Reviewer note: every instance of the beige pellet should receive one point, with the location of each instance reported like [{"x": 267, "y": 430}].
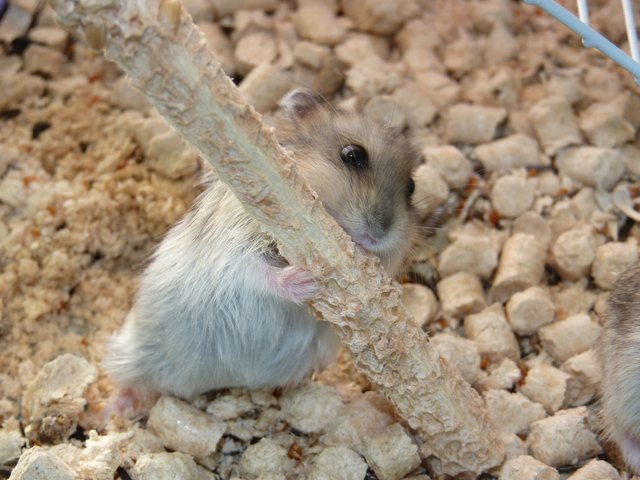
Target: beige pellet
[
  {"x": 38, "y": 463},
  {"x": 40, "y": 59},
  {"x": 549, "y": 184},
  {"x": 492, "y": 334},
  {"x": 184, "y": 428},
  {"x": 604, "y": 126},
  {"x": 310, "y": 54},
  {"x": 462, "y": 55},
  {"x": 592, "y": 166},
  {"x": 512, "y": 412},
  {"x": 265, "y": 86},
  {"x": 11, "y": 444},
  {"x": 472, "y": 124},
  {"x": 502, "y": 377},
  {"x": 514, "y": 446},
  {"x": 515, "y": 151},
  {"x": 505, "y": 90},
  {"x": 337, "y": 462},
  {"x": 631, "y": 156},
  {"x": 170, "y": 155},
  {"x": 460, "y": 294},
  {"x": 55, "y": 397},
  {"x": 417, "y": 107},
  {"x": 475, "y": 254},
  {"x": 529, "y": 310},
  {"x": 596, "y": 470},
  {"x": 450, "y": 163},
  {"x": 126, "y": 97},
  {"x": 564, "y": 439},
  {"x": 200, "y": 10},
  {"x": 440, "y": 89},
  {"x": 357, "y": 46},
  {"x": 555, "y": 124},
  {"x": 574, "y": 251},
  {"x": 527, "y": 467},
  {"x": 572, "y": 298},
  {"x": 360, "y": 419},
  {"x": 328, "y": 79},
  {"x": 228, "y": 7},
  {"x": 532, "y": 223},
  {"x": 391, "y": 453},
  {"x": 501, "y": 45},
  {"x": 310, "y": 407},
  {"x": 53, "y": 37},
  {"x": 254, "y": 48},
  {"x": 566, "y": 338},
  {"x": 546, "y": 385},
  {"x": 382, "y": 17},
  {"x": 219, "y": 44},
  {"x": 319, "y": 24},
  {"x": 586, "y": 374},
  {"x": 420, "y": 301},
  {"x": 265, "y": 457},
  {"x": 373, "y": 76},
  {"x": 165, "y": 466},
  {"x": 460, "y": 352},
  {"x": 512, "y": 195},
  {"x": 568, "y": 84},
  {"x": 521, "y": 266},
  {"x": 431, "y": 190},
  {"x": 611, "y": 260}
]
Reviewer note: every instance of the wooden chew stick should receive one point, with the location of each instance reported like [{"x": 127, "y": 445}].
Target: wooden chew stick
[{"x": 166, "y": 57}]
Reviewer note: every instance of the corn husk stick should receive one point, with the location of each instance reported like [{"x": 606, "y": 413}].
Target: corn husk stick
[{"x": 165, "y": 56}]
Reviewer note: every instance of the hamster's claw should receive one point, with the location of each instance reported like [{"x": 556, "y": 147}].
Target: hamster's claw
[{"x": 296, "y": 284}]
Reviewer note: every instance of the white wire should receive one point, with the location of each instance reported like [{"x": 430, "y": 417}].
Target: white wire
[
  {"x": 583, "y": 11},
  {"x": 630, "y": 23}
]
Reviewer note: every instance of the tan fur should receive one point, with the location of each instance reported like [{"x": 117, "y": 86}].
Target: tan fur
[
  {"x": 620, "y": 353},
  {"x": 210, "y": 314}
]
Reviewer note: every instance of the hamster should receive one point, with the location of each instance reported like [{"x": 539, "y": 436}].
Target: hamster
[
  {"x": 218, "y": 306},
  {"x": 620, "y": 353}
]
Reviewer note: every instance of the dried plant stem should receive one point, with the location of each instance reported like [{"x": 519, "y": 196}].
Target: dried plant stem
[{"x": 163, "y": 53}]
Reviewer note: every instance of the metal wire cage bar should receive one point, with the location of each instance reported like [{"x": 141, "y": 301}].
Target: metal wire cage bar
[{"x": 591, "y": 38}]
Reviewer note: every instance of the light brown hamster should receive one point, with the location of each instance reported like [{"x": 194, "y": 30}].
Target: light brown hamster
[
  {"x": 218, "y": 307},
  {"x": 620, "y": 353}
]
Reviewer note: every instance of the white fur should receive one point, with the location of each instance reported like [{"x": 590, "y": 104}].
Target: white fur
[{"x": 205, "y": 317}]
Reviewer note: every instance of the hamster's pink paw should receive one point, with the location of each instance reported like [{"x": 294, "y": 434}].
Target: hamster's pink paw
[
  {"x": 126, "y": 402},
  {"x": 295, "y": 284}
]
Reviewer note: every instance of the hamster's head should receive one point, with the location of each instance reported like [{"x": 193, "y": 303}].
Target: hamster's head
[{"x": 360, "y": 170}]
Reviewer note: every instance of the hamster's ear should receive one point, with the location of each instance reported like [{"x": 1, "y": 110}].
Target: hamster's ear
[{"x": 301, "y": 102}]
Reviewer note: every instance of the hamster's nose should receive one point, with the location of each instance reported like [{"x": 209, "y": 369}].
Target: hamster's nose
[{"x": 379, "y": 224}]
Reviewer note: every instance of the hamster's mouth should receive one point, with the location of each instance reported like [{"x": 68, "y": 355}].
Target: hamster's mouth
[
  {"x": 366, "y": 241},
  {"x": 361, "y": 235}
]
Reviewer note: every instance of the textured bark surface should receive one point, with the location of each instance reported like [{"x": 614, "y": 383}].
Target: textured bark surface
[{"x": 164, "y": 54}]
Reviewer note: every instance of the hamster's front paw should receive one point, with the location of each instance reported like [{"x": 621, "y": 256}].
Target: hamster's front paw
[{"x": 295, "y": 284}]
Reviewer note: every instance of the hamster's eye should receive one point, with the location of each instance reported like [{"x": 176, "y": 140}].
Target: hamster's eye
[
  {"x": 411, "y": 187},
  {"x": 355, "y": 156}
]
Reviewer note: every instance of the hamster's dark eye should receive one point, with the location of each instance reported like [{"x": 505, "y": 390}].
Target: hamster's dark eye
[
  {"x": 355, "y": 156},
  {"x": 411, "y": 187}
]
